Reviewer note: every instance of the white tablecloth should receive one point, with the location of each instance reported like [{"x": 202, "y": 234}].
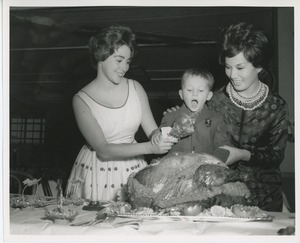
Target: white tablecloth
[{"x": 30, "y": 223}]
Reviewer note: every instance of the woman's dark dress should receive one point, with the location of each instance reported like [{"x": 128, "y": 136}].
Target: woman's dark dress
[{"x": 263, "y": 132}]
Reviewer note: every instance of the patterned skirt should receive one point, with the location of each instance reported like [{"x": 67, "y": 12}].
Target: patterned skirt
[{"x": 97, "y": 180}]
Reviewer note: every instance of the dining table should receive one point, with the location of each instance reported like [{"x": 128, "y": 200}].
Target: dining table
[{"x": 30, "y": 223}]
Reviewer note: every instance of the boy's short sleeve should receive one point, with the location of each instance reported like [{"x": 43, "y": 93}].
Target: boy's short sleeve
[{"x": 168, "y": 119}]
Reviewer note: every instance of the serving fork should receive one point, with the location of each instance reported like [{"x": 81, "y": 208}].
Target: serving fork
[
  {"x": 107, "y": 220},
  {"x": 135, "y": 224},
  {"x": 104, "y": 218}
]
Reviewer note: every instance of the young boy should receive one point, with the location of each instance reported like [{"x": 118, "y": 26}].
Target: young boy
[{"x": 209, "y": 132}]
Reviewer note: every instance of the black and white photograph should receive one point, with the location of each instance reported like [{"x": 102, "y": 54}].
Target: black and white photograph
[{"x": 149, "y": 121}]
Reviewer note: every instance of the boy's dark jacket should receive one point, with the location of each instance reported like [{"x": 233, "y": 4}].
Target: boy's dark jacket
[{"x": 208, "y": 136}]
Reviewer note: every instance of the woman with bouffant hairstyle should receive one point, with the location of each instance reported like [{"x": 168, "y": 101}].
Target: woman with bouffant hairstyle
[
  {"x": 109, "y": 111},
  {"x": 256, "y": 118}
]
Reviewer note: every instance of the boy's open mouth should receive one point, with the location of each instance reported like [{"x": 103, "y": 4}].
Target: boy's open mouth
[{"x": 194, "y": 103}]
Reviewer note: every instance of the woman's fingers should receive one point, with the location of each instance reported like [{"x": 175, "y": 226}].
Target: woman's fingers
[
  {"x": 226, "y": 147},
  {"x": 169, "y": 110},
  {"x": 170, "y": 140},
  {"x": 164, "y": 146}
]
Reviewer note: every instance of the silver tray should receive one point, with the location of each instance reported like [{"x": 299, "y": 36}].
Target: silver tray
[{"x": 208, "y": 218}]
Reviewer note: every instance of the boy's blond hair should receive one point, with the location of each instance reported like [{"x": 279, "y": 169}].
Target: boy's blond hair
[{"x": 201, "y": 72}]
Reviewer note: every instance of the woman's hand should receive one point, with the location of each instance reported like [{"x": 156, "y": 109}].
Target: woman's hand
[
  {"x": 236, "y": 154},
  {"x": 163, "y": 146},
  {"x": 156, "y": 137},
  {"x": 169, "y": 110}
]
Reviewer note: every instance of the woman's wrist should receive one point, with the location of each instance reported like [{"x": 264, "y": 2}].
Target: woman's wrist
[
  {"x": 148, "y": 147},
  {"x": 153, "y": 132}
]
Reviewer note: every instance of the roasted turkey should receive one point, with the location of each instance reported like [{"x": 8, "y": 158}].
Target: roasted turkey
[{"x": 187, "y": 178}]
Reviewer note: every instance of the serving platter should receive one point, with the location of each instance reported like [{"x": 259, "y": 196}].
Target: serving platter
[
  {"x": 199, "y": 218},
  {"x": 33, "y": 201}
]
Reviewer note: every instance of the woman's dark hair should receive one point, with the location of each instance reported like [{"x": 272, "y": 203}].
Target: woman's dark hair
[
  {"x": 244, "y": 37},
  {"x": 104, "y": 44}
]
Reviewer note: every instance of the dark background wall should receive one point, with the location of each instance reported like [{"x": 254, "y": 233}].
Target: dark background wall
[{"x": 49, "y": 63}]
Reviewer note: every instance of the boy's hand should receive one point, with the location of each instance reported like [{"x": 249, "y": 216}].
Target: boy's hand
[{"x": 161, "y": 135}]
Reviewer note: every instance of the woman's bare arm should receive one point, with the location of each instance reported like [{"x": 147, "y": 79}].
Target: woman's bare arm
[
  {"x": 94, "y": 135},
  {"x": 148, "y": 122}
]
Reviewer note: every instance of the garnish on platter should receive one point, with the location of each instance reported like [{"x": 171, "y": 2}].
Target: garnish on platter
[
  {"x": 60, "y": 215},
  {"x": 73, "y": 201},
  {"x": 29, "y": 201},
  {"x": 247, "y": 211},
  {"x": 28, "y": 183},
  {"x": 192, "y": 210},
  {"x": 236, "y": 211},
  {"x": 115, "y": 208},
  {"x": 195, "y": 213},
  {"x": 34, "y": 201}
]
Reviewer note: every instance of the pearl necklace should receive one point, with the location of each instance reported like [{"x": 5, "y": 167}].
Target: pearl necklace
[{"x": 250, "y": 103}]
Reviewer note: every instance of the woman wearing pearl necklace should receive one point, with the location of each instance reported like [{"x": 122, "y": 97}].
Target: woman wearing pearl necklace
[{"x": 256, "y": 118}]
